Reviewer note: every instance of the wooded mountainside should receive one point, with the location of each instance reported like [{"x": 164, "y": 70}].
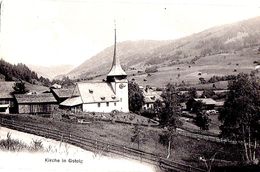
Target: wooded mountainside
[{"x": 14, "y": 72}]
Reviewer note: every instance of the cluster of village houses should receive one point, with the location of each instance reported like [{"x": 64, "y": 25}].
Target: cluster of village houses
[
  {"x": 94, "y": 96},
  {"x": 88, "y": 96}
]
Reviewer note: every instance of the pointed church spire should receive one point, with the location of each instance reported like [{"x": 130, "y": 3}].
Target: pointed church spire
[
  {"x": 116, "y": 69},
  {"x": 115, "y": 60}
]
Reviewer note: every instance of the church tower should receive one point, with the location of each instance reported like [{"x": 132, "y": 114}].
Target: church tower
[{"x": 118, "y": 79}]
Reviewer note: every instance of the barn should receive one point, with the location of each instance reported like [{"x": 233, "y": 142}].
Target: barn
[
  {"x": 7, "y": 104},
  {"x": 36, "y": 103}
]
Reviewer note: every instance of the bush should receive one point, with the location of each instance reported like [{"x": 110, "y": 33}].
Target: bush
[
  {"x": 202, "y": 120},
  {"x": 11, "y": 144},
  {"x": 36, "y": 146},
  {"x": 208, "y": 94},
  {"x": 149, "y": 113},
  {"x": 214, "y": 78},
  {"x": 152, "y": 69}
]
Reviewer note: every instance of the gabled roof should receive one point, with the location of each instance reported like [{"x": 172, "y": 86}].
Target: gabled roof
[
  {"x": 150, "y": 96},
  {"x": 63, "y": 92},
  {"x": 6, "y": 89},
  {"x": 35, "y": 98},
  {"x": 96, "y": 92}
]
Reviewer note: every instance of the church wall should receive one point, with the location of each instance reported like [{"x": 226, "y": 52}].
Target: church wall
[{"x": 102, "y": 107}]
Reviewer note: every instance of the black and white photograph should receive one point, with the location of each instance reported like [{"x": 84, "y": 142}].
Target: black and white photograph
[{"x": 130, "y": 85}]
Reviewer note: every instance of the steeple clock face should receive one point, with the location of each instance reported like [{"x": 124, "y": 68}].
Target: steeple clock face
[{"x": 121, "y": 86}]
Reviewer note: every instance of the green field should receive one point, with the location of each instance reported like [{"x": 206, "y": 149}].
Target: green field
[
  {"x": 185, "y": 150},
  {"x": 208, "y": 66}
]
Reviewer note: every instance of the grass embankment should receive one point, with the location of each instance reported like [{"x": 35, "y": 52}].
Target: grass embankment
[
  {"x": 189, "y": 123},
  {"x": 185, "y": 150},
  {"x": 16, "y": 145}
]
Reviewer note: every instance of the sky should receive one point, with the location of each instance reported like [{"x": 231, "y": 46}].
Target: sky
[{"x": 56, "y": 32}]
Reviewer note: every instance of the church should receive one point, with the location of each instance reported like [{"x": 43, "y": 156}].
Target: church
[{"x": 101, "y": 96}]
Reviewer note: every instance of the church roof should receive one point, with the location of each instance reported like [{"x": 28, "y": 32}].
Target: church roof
[
  {"x": 96, "y": 92},
  {"x": 91, "y": 92},
  {"x": 116, "y": 70}
]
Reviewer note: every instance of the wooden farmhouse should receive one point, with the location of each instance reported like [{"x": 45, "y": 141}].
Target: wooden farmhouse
[
  {"x": 7, "y": 102},
  {"x": 36, "y": 103},
  {"x": 101, "y": 96}
]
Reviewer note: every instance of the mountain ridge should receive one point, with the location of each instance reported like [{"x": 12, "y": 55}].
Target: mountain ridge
[
  {"x": 215, "y": 42},
  {"x": 51, "y": 72}
]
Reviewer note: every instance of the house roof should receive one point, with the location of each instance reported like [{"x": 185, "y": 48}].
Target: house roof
[
  {"x": 96, "y": 92},
  {"x": 73, "y": 101},
  {"x": 63, "y": 92},
  {"x": 207, "y": 101},
  {"x": 35, "y": 98},
  {"x": 219, "y": 103},
  {"x": 56, "y": 86},
  {"x": 6, "y": 89},
  {"x": 150, "y": 96}
]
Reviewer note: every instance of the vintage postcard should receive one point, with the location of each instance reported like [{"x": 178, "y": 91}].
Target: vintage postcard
[{"x": 129, "y": 86}]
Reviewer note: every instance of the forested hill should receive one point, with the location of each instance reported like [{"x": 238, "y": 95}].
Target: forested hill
[
  {"x": 221, "y": 50},
  {"x": 19, "y": 71}
]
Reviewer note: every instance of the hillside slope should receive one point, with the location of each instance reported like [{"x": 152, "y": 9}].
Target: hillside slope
[
  {"x": 216, "y": 51},
  {"x": 52, "y": 71}
]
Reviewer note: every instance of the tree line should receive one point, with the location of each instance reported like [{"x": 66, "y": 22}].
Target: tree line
[
  {"x": 13, "y": 72},
  {"x": 19, "y": 71},
  {"x": 239, "y": 117}
]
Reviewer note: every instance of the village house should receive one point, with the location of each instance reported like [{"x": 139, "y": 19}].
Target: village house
[
  {"x": 150, "y": 96},
  {"x": 7, "y": 102},
  {"x": 207, "y": 103},
  {"x": 36, "y": 103},
  {"x": 101, "y": 96}
]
